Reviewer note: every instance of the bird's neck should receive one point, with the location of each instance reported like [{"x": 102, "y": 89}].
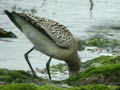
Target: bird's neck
[{"x": 73, "y": 64}]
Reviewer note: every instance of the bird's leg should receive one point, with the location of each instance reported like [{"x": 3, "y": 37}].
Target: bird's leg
[
  {"x": 26, "y": 57},
  {"x": 48, "y": 67}
]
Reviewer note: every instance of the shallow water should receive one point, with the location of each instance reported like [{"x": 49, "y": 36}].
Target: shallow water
[{"x": 74, "y": 14}]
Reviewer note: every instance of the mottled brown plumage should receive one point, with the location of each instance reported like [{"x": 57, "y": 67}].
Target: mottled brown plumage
[{"x": 58, "y": 32}]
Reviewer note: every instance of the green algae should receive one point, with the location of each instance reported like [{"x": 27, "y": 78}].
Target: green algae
[
  {"x": 18, "y": 87},
  {"x": 101, "y": 70},
  {"x": 15, "y": 76},
  {"x": 102, "y": 43},
  {"x": 99, "y": 61},
  {"x": 106, "y": 74},
  {"x": 36, "y": 87}
]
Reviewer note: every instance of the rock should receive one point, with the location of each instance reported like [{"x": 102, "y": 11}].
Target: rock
[
  {"x": 16, "y": 76},
  {"x": 107, "y": 72},
  {"x": 103, "y": 76},
  {"x": 18, "y": 87},
  {"x": 47, "y": 87},
  {"x": 100, "y": 61},
  {"x": 100, "y": 70},
  {"x": 5, "y": 34}
]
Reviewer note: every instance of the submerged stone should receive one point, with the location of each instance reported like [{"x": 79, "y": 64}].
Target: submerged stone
[{"x": 5, "y": 34}]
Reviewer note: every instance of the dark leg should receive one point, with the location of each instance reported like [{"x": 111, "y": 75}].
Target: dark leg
[
  {"x": 26, "y": 57},
  {"x": 48, "y": 67}
]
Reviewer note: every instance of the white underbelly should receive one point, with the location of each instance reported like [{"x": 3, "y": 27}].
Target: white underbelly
[
  {"x": 47, "y": 46},
  {"x": 41, "y": 42}
]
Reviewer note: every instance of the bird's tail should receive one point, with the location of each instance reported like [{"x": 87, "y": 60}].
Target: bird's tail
[{"x": 12, "y": 18}]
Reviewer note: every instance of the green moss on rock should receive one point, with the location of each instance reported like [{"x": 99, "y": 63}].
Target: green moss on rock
[
  {"x": 35, "y": 87},
  {"x": 106, "y": 74},
  {"x": 15, "y": 76},
  {"x": 99, "y": 61},
  {"x": 101, "y": 70},
  {"x": 19, "y": 87},
  {"x": 100, "y": 41}
]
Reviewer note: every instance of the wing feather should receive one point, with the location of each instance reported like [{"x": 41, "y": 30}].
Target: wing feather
[{"x": 54, "y": 30}]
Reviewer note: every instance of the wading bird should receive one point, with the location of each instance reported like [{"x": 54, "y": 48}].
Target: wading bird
[{"x": 50, "y": 38}]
